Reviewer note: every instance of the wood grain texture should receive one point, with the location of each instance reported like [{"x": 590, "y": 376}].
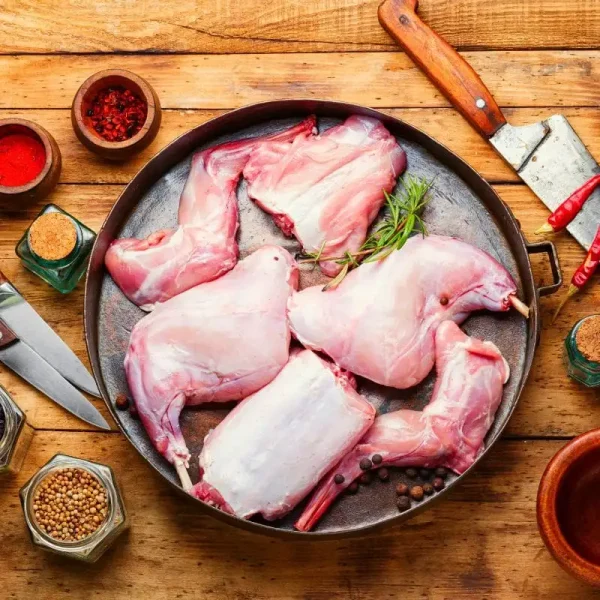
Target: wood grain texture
[
  {"x": 228, "y": 26},
  {"x": 552, "y": 405},
  {"x": 528, "y": 78},
  {"x": 480, "y": 543}
]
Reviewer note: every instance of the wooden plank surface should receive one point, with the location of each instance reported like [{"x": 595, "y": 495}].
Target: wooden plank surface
[
  {"x": 378, "y": 79},
  {"x": 228, "y": 26},
  {"x": 480, "y": 543}
]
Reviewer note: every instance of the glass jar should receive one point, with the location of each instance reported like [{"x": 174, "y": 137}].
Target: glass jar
[
  {"x": 62, "y": 274},
  {"x": 578, "y": 366},
  {"x": 17, "y": 435},
  {"x": 91, "y": 548}
]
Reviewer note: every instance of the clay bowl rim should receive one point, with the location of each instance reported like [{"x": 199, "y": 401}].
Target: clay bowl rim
[
  {"x": 547, "y": 518},
  {"x": 149, "y": 97},
  {"x": 45, "y": 138}
]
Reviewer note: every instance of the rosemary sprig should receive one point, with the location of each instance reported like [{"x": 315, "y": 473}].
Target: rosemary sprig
[{"x": 403, "y": 218}]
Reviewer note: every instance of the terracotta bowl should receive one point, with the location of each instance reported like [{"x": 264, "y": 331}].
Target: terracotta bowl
[
  {"x": 90, "y": 139},
  {"x": 568, "y": 507},
  {"x": 44, "y": 183}
]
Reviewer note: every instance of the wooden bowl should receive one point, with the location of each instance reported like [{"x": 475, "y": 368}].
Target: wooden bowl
[
  {"x": 44, "y": 183},
  {"x": 90, "y": 139},
  {"x": 567, "y": 507}
]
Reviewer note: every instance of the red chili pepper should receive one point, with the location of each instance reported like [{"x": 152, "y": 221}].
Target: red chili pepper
[
  {"x": 584, "y": 272},
  {"x": 569, "y": 209}
]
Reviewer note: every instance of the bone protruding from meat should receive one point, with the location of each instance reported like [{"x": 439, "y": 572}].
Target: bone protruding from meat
[
  {"x": 219, "y": 341},
  {"x": 203, "y": 246},
  {"x": 449, "y": 432},
  {"x": 327, "y": 190},
  {"x": 380, "y": 322},
  {"x": 272, "y": 449}
]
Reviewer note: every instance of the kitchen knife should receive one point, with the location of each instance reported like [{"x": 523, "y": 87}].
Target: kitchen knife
[
  {"x": 21, "y": 317},
  {"x": 27, "y": 363},
  {"x": 548, "y": 155}
]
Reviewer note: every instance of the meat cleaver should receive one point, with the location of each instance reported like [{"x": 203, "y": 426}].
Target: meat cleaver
[{"x": 548, "y": 156}]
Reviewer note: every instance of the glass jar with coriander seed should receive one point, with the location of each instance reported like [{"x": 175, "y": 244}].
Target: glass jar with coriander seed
[
  {"x": 15, "y": 435},
  {"x": 74, "y": 507},
  {"x": 582, "y": 351}
]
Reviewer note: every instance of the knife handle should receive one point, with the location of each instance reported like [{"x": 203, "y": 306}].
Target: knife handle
[
  {"x": 451, "y": 73},
  {"x": 7, "y": 335}
]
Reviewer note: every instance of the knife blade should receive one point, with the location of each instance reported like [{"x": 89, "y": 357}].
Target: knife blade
[
  {"x": 29, "y": 327},
  {"x": 27, "y": 363},
  {"x": 548, "y": 155}
]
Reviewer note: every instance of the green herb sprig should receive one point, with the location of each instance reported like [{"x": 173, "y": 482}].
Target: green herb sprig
[{"x": 402, "y": 219}]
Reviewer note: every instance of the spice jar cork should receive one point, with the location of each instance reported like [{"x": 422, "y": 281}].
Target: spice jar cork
[
  {"x": 582, "y": 351},
  {"x": 74, "y": 507},
  {"x": 57, "y": 248}
]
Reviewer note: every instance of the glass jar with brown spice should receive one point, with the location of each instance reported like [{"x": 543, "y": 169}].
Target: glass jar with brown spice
[
  {"x": 15, "y": 434},
  {"x": 582, "y": 351}
]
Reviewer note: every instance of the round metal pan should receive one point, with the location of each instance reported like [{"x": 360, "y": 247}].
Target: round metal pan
[{"x": 462, "y": 205}]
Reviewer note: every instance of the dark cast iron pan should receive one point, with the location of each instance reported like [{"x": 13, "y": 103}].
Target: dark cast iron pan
[{"x": 462, "y": 205}]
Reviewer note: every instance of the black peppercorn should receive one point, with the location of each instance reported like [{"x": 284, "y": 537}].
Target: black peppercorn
[
  {"x": 339, "y": 479},
  {"x": 403, "y": 503},
  {"x": 424, "y": 474},
  {"x": 402, "y": 489},
  {"x": 427, "y": 489},
  {"x": 438, "y": 484},
  {"x": 441, "y": 472},
  {"x": 411, "y": 473},
  {"x": 365, "y": 478},
  {"x": 365, "y": 464},
  {"x": 353, "y": 488},
  {"x": 122, "y": 402},
  {"x": 383, "y": 474},
  {"x": 444, "y": 300},
  {"x": 416, "y": 493},
  {"x": 377, "y": 459},
  {"x": 133, "y": 413},
  {"x": 90, "y": 112}
]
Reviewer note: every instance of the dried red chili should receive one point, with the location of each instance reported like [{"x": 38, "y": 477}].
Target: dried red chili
[
  {"x": 116, "y": 114},
  {"x": 22, "y": 159},
  {"x": 570, "y": 208},
  {"x": 584, "y": 272}
]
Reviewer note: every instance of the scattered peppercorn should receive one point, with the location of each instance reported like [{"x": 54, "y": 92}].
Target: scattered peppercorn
[
  {"x": 117, "y": 114},
  {"x": 133, "y": 413},
  {"x": 70, "y": 504},
  {"x": 365, "y": 464},
  {"x": 353, "y": 487},
  {"x": 416, "y": 492},
  {"x": 365, "y": 478},
  {"x": 402, "y": 489},
  {"x": 424, "y": 474},
  {"x": 122, "y": 402},
  {"x": 411, "y": 473},
  {"x": 339, "y": 479},
  {"x": 444, "y": 300},
  {"x": 383, "y": 474},
  {"x": 377, "y": 459},
  {"x": 438, "y": 484},
  {"x": 403, "y": 503},
  {"x": 441, "y": 472},
  {"x": 427, "y": 489}
]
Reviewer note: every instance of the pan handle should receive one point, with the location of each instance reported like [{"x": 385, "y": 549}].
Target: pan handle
[
  {"x": 549, "y": 249},
  {"x": 446, "y": 68}
]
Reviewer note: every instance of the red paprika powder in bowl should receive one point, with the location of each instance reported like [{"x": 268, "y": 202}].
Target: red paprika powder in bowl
[
  {"x": 30, "y": 160},
  {"x": 116, "y": 114}
]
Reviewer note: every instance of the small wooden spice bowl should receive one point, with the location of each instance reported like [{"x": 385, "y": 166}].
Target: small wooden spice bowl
[
  {"x": 117, "y": 151},
  {"x": 567, "y": 514},
  {"x": 44, "y": 183}
]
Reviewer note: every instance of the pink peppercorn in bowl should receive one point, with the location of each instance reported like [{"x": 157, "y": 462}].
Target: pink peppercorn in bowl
[{"x": 116, "y": 114}]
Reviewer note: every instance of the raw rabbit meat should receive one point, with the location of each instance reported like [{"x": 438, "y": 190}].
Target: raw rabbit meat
[
  {"x": 274, "y": 447},
  {"x": 203, "y": 247},
  {"x": 380, "y": 321},
  {"x": 449, "y": 432},
  {"x": 327, "y": 190},
  {"x": 219, "y": 341}
]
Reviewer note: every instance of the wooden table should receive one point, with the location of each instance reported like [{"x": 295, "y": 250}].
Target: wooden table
[{"x": 204, "y": 57}]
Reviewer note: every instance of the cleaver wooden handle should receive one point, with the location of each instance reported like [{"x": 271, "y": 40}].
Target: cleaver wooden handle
[{"x": 453, "y": 76}]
